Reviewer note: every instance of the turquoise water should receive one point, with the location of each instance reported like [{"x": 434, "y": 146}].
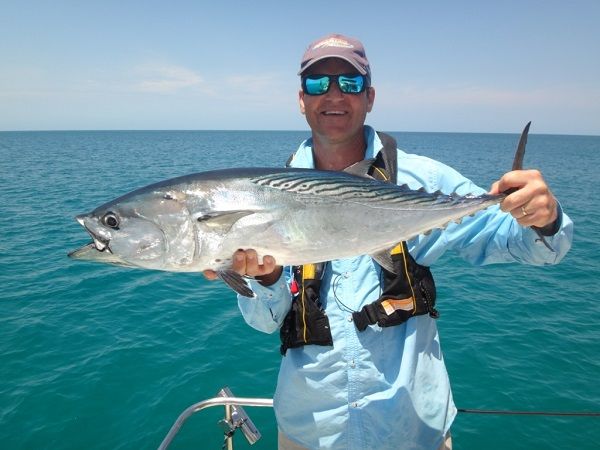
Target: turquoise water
[{"x": 100, "y": 357}]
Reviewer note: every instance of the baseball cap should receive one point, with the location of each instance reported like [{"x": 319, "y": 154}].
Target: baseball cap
[{"x": 336, "y": 46}]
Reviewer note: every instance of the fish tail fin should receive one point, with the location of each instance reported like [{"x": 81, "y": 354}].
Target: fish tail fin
[{"x": 518, "y": 165}]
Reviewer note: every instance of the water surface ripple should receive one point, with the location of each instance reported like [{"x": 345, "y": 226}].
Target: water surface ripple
[{"x": 101, "y": 357}]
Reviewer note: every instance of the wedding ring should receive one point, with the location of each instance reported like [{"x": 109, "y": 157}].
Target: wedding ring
[{"x": 524, "y": 211}]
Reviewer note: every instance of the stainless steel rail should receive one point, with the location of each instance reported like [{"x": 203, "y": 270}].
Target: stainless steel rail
[{"x": 216, "y": 401}]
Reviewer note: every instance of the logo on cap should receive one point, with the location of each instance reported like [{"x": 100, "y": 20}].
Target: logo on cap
[{"x": 333, "y": 42}]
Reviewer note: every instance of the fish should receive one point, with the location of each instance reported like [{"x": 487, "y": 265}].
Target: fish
[{"x": 196, "y": 222}]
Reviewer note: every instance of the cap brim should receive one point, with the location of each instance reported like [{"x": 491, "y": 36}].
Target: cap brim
[{"x": 360, "y": 69}]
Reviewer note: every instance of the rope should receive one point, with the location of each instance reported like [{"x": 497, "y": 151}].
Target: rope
[{"x": 529, "y": 413}]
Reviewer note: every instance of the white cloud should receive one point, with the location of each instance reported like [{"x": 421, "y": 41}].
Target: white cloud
[
  {"x": 554, "y": 108},
  {"x": 249, "y": 89},
  {"x": 252, "y": 84},
  {"x": 473, "y": 96},
  {"x": 165, "y": 79}
]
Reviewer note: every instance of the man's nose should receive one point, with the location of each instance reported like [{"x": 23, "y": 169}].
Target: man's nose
[{"x": 334, "y": 91}]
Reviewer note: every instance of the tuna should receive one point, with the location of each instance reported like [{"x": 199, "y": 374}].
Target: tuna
[{"x": 196, "y": 222}]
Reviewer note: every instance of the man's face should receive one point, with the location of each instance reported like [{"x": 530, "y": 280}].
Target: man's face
[{"x": 335, "y": 117}]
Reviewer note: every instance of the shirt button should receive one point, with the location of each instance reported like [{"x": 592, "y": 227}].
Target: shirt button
[
  {"x": 346, "y": 275},
  {"x": 349, "y": 318},
  {"x": 354, "y": 404},
  {"x": 352, "y": 364}
]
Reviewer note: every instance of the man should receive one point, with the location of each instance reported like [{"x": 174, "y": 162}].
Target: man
[{"x": 380, "y": 387}]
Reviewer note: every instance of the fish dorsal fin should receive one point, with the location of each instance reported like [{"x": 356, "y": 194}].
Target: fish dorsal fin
[
  {"x": 236, "y": 282},
  {"x": 222, "y": 220},
  {"x": 361, "y": 168}
]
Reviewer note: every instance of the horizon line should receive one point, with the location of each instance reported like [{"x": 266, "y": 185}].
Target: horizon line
[{"x": 270, "y": 131}]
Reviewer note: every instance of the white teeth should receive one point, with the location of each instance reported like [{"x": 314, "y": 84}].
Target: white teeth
[
  {"x": 334, "y": 113},
  {"x": 100, "y": 245}
]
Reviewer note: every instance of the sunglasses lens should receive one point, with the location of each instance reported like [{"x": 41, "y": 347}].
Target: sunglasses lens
[
  {"x": 352, "y": 84},
  {"x": 319, "y": 84},
  {"x": 316, "y": 85}
]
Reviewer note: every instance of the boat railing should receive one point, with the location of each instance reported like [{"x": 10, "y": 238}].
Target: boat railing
[{"x": 235, "y": 417}]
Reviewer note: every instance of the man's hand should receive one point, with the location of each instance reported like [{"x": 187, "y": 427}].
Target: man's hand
[
  {"x": 245, "y": 262},
  {"x": 532, "y": 204}
]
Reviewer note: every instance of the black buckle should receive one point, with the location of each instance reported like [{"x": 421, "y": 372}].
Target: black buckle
[{"x": 364, "y": 317}]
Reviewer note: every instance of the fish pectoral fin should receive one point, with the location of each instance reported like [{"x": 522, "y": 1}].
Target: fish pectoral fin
[
  {"x": 236, "y": 282},
  {"x": 384, "y": 259},
  {"x": 222, "y": 220},
  {"x": 361, "y": 168}
]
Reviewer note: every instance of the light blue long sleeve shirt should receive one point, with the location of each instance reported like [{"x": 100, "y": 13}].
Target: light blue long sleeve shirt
[{"x": 384, "y": 388}]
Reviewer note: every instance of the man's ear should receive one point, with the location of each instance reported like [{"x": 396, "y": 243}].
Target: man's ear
[
  {"x": 370, "y": 98},
  {"x": 301, "y": 101}
]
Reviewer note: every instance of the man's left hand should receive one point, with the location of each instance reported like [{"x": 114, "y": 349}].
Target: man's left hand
[{"x": 532, "y": 204}]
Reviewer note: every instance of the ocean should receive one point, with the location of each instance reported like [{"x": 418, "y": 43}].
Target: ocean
[{"x": 100, "y": 357}]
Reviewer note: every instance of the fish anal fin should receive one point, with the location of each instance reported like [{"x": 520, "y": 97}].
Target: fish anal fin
[{"x": 236, "y": 282}]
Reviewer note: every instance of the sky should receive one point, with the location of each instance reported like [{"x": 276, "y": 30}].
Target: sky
[{"x": 447, "y": 66}]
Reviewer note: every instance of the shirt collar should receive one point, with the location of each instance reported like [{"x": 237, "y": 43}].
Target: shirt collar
[{"x": 303, "y": 158}]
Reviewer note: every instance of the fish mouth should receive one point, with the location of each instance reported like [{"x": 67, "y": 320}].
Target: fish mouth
[
  {"x": 87, "y": 252},
  {"x": 90, "y": 253},
  {"x": 100, "y": 244}
]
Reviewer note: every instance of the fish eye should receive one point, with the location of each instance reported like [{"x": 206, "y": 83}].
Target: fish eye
[{"x": 111, "y": 220}]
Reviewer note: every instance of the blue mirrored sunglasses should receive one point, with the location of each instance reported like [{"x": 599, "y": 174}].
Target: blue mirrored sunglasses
[{"x": 348, "y": 83}]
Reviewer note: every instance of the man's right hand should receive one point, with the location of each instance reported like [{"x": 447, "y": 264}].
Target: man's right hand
[{"x": 245, "y": 262}]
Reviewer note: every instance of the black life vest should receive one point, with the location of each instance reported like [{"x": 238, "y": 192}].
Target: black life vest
[{"x": 406, "y": 292}]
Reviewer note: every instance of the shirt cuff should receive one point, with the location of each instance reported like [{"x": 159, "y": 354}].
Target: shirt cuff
[
  {"x": 552, "y": 228},
  {"x": 269, "y": 306},
  {"x": 276, "y": 289}
]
